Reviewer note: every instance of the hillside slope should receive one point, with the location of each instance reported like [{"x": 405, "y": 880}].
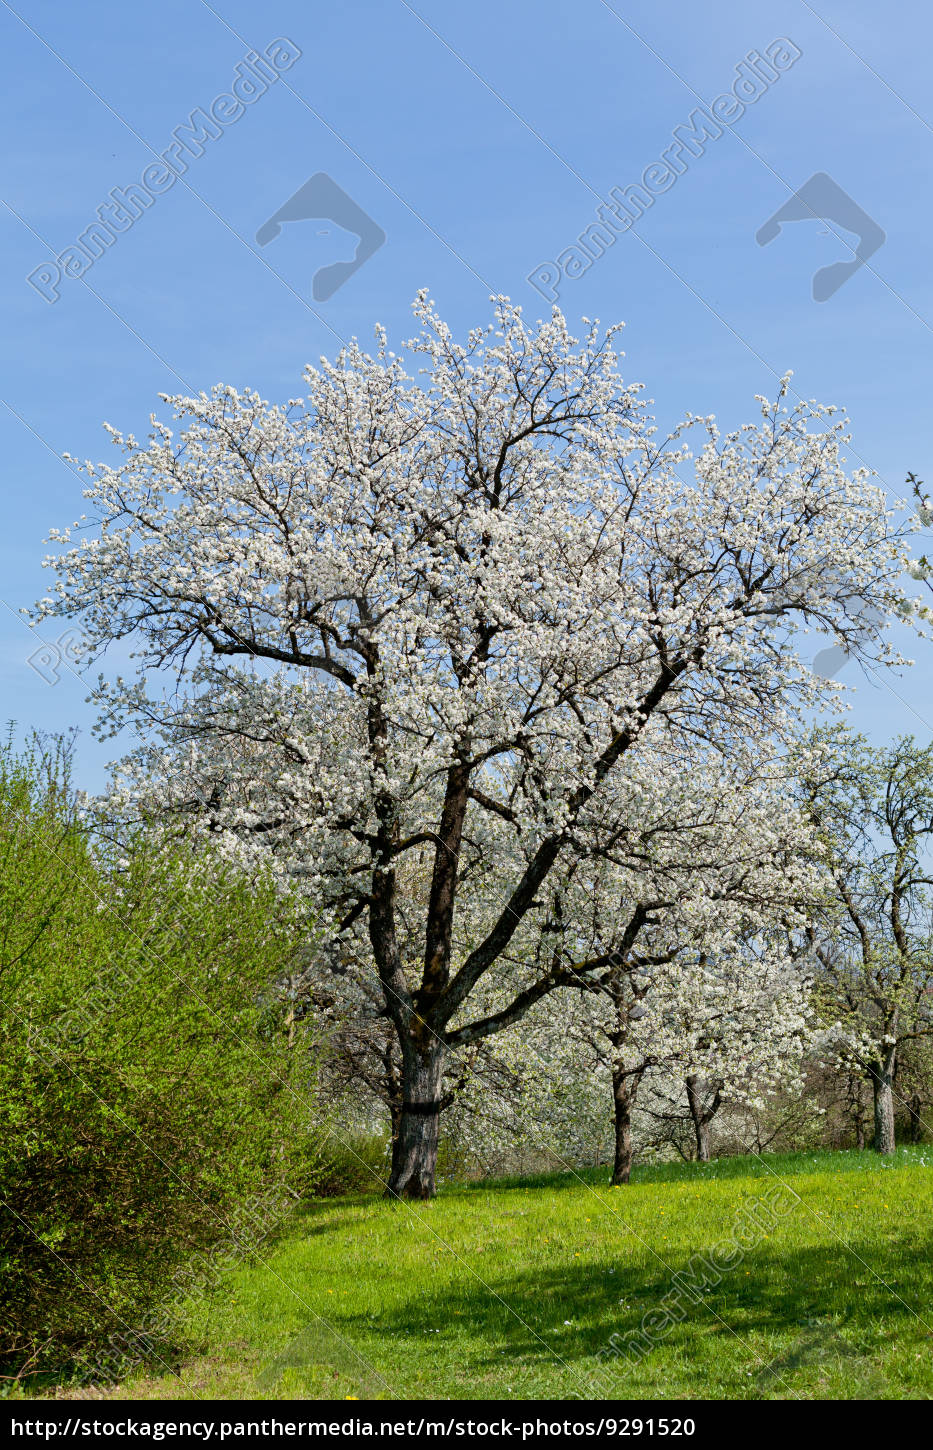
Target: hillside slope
[{"x": 803, "y": 1276}]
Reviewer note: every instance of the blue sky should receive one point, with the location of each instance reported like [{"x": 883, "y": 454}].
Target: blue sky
[{"x": 480, "y": 140}]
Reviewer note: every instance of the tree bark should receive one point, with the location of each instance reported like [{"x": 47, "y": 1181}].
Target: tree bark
[
  {"x": 882, "y": 1078},
  {"x": 623, "y": 1098},
  {"x": 857, "y": 1106},
  {"x": 701, "y": 1118},
  {"x": 414, "y": 1150}
]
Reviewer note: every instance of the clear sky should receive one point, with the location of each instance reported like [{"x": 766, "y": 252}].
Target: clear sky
[{"x": 462, "y": 148}]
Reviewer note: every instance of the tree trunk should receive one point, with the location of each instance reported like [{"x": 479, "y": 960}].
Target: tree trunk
[
  {"x": 701, "y": 1121},
  {"x": 854, "y": 1095},
  {"x": 623, "y": 1098},
  {"x": 414, "y": 1151},
  {"x": 882, "y": 1077}
]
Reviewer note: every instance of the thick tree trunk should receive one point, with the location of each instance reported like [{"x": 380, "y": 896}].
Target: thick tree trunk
[
  {"x": 623, "y": 1098},
  {"x": 701, "y": 1120},
  {"x": 414, "y": 1151},
  {"x": 882, "y": 1078}
]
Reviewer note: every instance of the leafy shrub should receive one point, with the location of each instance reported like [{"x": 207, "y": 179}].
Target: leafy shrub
[{"x": 151, "y": 1114}]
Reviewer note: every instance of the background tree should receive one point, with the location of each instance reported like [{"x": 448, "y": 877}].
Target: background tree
[
  {"x": 874, "y": 811},
  {"x": 678, "y": 906},
  {"x": 913, "y": 1086},
  {"x": 726, "y": 1028}
]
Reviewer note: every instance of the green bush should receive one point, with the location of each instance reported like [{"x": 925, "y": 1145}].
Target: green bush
[
  {"x": 155, "y": 1123},
  {"x": 355, "y": 1164}
]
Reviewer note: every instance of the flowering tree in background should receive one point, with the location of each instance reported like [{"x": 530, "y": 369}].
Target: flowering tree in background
[
  {"x": 747, "y": 1034},
  {"x": 731, "y": 1029},
  {"x": 420, "y": 626},
  {"x": 874, "y": 811},
  {"x": 689, "y": 917}
]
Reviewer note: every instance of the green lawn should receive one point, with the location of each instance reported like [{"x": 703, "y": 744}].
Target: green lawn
[{"x": 511, "y": 1289}]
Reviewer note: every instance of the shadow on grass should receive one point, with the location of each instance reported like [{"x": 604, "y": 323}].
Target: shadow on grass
[{"x": 778, "y": 1312}]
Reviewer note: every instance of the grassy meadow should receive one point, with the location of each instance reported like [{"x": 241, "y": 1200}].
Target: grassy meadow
[{"x": 512, "y": 1289}]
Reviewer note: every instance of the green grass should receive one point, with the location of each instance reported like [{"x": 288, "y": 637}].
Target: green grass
[{"x": 512, "y": 1288}]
